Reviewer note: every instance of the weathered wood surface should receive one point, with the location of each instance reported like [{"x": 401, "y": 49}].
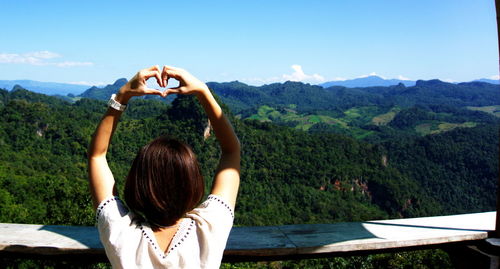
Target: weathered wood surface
[
  {"x": 342, "y": 238},
  {"x": 266, "y": 242}
]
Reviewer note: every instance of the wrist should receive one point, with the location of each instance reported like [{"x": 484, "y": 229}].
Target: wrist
[
  {"x": 116, "y": 105},
  {"x": 122, "y": 97},
  {"x": 204, "y": 91}
]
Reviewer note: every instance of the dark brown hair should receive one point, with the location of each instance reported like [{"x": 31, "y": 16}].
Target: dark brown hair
[{"x": 164, "y": 182}]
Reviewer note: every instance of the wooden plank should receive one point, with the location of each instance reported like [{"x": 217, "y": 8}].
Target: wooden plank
[
  {"x": 389, "y": 234},
  {"x": 258, "y": 241},
  {"x": 49, "y": 239},
  {"x": 272, "y": 242}
]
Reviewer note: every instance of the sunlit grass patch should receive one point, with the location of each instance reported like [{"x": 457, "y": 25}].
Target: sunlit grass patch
[
  {"x": 384, "y": 119},
  {"x": 494, "y": 110},
  {"x": 440, "y": 127}
]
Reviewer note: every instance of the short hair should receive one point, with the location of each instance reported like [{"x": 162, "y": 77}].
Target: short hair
[{"x": 164, "y": 182}]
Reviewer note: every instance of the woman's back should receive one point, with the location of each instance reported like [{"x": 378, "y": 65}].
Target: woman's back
[
  {"x": 199, "y": 240},
  {"x": 162, "y": 227}
]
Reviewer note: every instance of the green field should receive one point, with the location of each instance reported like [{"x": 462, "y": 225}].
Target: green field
[
  {"x": 384, "y": 119},
  {"x": 347, "y": 124},
  {"x": 494, "y": 110},
  {"x": 301, "y": 121},
  {"x": 436, "y": 127},
  {"x": 354, "y": 119},
  {"x": 263, "y": 114}
]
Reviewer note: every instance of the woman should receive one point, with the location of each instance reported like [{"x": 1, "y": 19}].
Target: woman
[{"x": 160, "y": 227}]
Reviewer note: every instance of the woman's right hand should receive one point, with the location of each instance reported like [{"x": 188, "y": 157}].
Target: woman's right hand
[
  {"x": 188, "y": 84},
  {"x": 137, "y": 85}
]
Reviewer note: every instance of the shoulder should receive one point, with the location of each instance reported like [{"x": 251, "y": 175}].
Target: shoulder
[
  {"x": 111, "y": 207},
  {"x": 214, "y": 208},
  {"x": 112, "y": 216},
  {"x": 213, "y": 217},
  {"x": 213, "y": 220}
]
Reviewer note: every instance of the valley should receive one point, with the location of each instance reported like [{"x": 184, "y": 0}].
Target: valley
[
  {"x": 357, "y": 121},
  {"x": 310, "y": 154}
]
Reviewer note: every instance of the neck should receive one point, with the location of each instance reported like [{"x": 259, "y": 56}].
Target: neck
[{"x": 162, "y": 228}]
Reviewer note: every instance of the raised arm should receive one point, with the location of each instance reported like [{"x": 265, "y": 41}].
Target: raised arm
[
  {"x": 102, "y": 182},
  {"x": 227, "y": 176}
]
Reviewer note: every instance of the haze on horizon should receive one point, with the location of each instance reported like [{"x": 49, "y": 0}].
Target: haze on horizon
[{"x": 258, "y": 42}]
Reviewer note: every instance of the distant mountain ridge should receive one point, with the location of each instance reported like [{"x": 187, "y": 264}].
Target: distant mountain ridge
[
  {"x": 47, "y": 88},
  {"x": 487, "y": 80},
  {"x": 374, "y": 81},
  {"x": 241, "y": 97},
  {"x": 306, "y": 97},
  {"x": 370, "y": 81},
  {"x": 64, "y": 89},
  {"x": 105, "y": 92}
]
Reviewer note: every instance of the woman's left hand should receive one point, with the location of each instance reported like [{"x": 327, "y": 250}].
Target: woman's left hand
[{"x": 137, "y": 85}]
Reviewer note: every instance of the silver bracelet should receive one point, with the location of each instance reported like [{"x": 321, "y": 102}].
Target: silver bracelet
[{"x": 115, "y": 105}]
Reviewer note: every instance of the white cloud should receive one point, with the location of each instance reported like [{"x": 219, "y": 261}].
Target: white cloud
[
  {"x": 371, "y": 74},
  {"x": 43, "y": 54},
  {"x": 18, "y": 59},
  {"x": 38, "y": 58},
  {"x": 400, "y": 77},
  {"x": 71, "y": 64},
  {"x": 299, "y": 75},
  {"x": 261, "y": 81},
  {"x": 497, "y": 77}
]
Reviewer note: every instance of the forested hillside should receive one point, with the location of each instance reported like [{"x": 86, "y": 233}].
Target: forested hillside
[
  {"x": 241, "y": 97},
  {"x": 307, "y": 158},
  {"x": 288, "y": 176},
  {"x": 103, "y": 93}
]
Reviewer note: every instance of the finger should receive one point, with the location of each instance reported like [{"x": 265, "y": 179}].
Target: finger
[
  {"x": 146, "y": 74},
  {"x": 159, "y": 79},
  {"x": 174, "y": 73},
  {"x": 173, "y": 91},
  {"x": 164, "y": 77},
  {"x": 168, "y": 67},
  {"x": 149, "y": 91},
  {"x": 164, "y": 93},
  {"x": 153, "y": 68}
]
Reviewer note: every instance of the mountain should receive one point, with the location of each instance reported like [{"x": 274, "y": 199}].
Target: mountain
[
  {"x": 63, "y": 89},
  {"x": 369, "y": 81},
  {"x": 288, "y": 176},
  {"x": 48, "y": 88},
  {"x": 103, "y": 93},
  {"x": 44, "y": 140},
  {"x": 241, "y": 97},
  {"x": 245, "y": 99},
  {"x": 491, "y": 81}
]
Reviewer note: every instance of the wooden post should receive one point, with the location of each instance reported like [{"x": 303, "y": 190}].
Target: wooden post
[{"x": 497, "y": 227}]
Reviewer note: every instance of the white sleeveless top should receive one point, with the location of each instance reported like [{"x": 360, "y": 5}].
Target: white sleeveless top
[{"x": 199, "y": 242}]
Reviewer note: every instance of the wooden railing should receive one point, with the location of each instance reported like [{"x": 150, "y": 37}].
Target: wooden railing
[{"x": 272, "y": 242}]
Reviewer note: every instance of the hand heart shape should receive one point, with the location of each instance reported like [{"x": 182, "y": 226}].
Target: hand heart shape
[{"x": 188, "y": 84}]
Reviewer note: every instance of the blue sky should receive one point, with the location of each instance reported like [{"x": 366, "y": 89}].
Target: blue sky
[{"x": 255, "y": 42}]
